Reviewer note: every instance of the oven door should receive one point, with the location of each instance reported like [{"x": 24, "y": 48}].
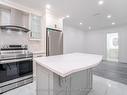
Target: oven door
[
  {"x": 25, "y": 67},
  {"x": 16, "y": 68}
]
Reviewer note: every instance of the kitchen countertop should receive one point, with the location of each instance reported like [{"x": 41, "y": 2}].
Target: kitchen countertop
[
  {"x": 67, "y": 64},
  {"x": 38, "y": 52}
]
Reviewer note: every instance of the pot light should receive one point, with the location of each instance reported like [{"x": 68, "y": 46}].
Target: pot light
[
  {"x": 89, "y": 27},
  {"x": 80, "y": 23},
  {"x": 67, "y": 16},
  {"x": 113, "y": 23},
  {"x": 109, "y": 16},
  {"x": 109, "y": 85},
  {"x": 48, "y": 6},
  {"x": 101, "y": 2}
]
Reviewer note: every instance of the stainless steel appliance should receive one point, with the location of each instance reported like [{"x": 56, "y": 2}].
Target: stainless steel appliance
[
  {"x": 16, "y": 67},
  {"x": 54, "y": 42},
  {"x": 14, "y": 20}
]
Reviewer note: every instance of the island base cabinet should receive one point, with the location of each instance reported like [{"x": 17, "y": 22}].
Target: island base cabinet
[
  {"x": 81, "y": 82},
  {"x": 49, "y": 83},
  {"x": 42, "y": 85},
  {"x": 60, "y": 85}
]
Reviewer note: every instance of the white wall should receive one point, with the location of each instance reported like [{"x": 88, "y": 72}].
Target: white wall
[
  {"x": 96, "y": 42},
  {"x": 123, "y": 44},
  {"x": 74, "y": 39},
  {"x": 12, "y": 37}
]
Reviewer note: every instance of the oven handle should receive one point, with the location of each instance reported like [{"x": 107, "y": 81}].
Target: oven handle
[{"x": 14, "y": 60}]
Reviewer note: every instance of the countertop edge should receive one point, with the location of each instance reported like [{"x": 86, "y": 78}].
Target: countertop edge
[{"x": 70, "y": 72}]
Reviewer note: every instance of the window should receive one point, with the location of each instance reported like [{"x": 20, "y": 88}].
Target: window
[{"x": 112, "y": 46}]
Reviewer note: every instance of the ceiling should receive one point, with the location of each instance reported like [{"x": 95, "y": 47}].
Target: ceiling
[{"x": 86, "y": 11}]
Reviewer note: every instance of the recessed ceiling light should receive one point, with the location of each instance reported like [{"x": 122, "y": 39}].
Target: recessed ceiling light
[
  {"x": 80, "y": 23},
  {"x": 48, "y": 6},
  {"x": 89, "y": 27},
  {"x": 109, "y": 85},
  {"x": 109, "y": 16},
  {"x": 101, "y": 2},
  {"x": 113, "y": 23},
  {"x": 67, "y": 16}
]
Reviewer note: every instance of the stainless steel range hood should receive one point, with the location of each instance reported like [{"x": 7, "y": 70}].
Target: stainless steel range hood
[
  {"x": 18, "y": 20},
  {"x": 14, "y": 28}
]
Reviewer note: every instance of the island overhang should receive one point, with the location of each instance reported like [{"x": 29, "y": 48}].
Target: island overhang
[{"x": 66, "y": 64}]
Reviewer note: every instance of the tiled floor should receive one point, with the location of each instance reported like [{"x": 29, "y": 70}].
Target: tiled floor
[
  {"x": 101, "y": 86},
  {"x": 29, "y": 89},
  {"x": 115, "y": 71}
]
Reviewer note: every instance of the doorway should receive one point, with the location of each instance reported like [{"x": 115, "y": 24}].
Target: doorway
[{"x": 112, "y": 46}]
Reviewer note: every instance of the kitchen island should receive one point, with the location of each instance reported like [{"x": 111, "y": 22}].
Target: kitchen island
[{"x": 67, "y": 74}]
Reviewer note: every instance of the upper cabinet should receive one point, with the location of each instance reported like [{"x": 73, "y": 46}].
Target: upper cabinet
[
  {"x": 35, "y": 27},
  {"x": 5, "y": 16},
  {"x": 35, "y": 22},
  {"x": 53, "y": 21}
]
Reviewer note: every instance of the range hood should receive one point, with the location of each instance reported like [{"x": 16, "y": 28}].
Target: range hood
[
  {"x": 14, "y": 28},
  {"x": 18, "y": 21}
]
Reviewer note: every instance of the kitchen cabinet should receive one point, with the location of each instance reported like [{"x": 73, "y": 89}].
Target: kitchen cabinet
[
  {"x": 53, "y": 21},
  {"x": 79, "y": 86},
  {"x": 35, "y": 27},
  {"x": 5, "y": 17},
  {"x": 35, "y": 55},
  {"x": 45, "y": 78},
  {"x": 49, "y": 83},
  {"x": 67, "y": 74}
]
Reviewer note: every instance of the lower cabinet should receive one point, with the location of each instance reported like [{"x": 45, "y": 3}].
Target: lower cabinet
[
  {"x": 43, "y": 81},
  {"x": 49, "y": 83},
  {"x": 36, "y": 55},
  {"x": 59, "y": 85},
  {"x": 81, "y": 82}
]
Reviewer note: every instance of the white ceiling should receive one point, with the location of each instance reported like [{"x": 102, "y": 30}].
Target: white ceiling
[{"x": 86, "y": 11}]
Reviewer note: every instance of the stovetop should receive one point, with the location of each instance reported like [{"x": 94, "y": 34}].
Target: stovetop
[{"x": 14, "y": 52}]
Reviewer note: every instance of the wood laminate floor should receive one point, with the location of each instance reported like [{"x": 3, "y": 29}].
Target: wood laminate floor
[{"x": 113, "y": 71}]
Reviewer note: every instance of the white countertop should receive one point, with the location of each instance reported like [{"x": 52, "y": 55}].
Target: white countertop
[
  {"x": 38, "y": 52},
  {"x": 67, "y": 64}
]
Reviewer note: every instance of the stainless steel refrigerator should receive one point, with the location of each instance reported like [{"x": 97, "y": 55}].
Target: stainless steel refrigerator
[{"x": 54, "y": 42}]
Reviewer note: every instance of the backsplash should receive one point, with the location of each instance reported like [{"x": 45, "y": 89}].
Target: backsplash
[
  {"x": 13, "y": 37},
  {"x": 36, "y": 46}
]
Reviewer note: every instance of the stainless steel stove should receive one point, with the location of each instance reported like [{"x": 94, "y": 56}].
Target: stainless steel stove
[{"x": 16, "y": 67}]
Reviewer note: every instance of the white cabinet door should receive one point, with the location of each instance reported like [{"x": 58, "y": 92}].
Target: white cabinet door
[
  {"x": 49, "y": 83},
  {"x": 42, "y": 81},
  {"x": 59, "y": 86},
  {"x": 68, "y": 85},
  {"x": 79, "y": 83},
  {"x": 34, "y": 63},
  {"x": 54, "y": 22},
  {"x": 5, "y": 17},
  {"x": 35, "y": 27}
]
